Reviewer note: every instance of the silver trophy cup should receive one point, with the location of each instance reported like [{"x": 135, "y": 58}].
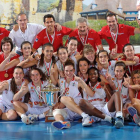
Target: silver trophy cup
[{"x": 51, "y": 98}]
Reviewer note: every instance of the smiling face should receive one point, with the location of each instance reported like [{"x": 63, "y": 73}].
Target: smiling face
[
  {"x": 93, "y": 76},
  {"x": 63, "y": 55},
  {"x": 129, "y": 52},
  {"x": 103, "y": 58},
  {"x": 72, "y": 46},
  {"x": 26, "y": 49},
  {"x": 82, "y": 28},
  {"x": 112, "y": 23},
  {"x": 83, "y": 67},
  {"x": 48, "y": 52},
  {"x": 90, "y": 56},
  {"x": 69, "y": 71},
  {"x": 119, "y": 72},
  {"x": 36, "y": 77},
  {"x": 18, "y": 75},
  {"x": 49, "y": 24},
  {"x": 6, "y": 47},
  {"x": 136, "y": 79}
]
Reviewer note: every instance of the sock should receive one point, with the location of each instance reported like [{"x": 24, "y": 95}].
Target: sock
[
  {"x": 41, "y": 116},
  {"x": 107, "y": 118},
  {"x": 84, "y": 115},
  {"x": 22, "y": 115},
  {"x": 119, "y": 114}
]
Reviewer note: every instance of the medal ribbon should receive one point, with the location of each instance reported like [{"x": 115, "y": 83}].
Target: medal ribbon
[
  {"x": 85, "y": 39},
  {"x": 49, "y": 37},
  {"x": 48, "y": 69}
]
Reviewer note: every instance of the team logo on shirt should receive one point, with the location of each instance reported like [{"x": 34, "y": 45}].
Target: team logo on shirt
[
  {"x": 90, "y": 38},
  {"x": 36, "y": 40},
  {"x": 1, "y": 34}
]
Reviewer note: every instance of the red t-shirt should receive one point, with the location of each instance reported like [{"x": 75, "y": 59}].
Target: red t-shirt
[
  {"x": 92, "y": 39},
  {"x": 124, "y": 32},
  {"x": 138, "y": 95},
  {"x": 130, "y": 69},
  {"x": 42, "y": 38},
  {"x": 3, "y": 33},
  {"x": 9, "y": 71}
]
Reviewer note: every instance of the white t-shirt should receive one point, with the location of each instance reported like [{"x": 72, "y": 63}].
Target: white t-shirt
[
  {"x": 138, "y": 3},
  {"x": 30, "y": 33}
]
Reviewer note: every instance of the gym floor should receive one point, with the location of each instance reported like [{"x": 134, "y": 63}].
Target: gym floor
[{"x": 16, "y": 130}]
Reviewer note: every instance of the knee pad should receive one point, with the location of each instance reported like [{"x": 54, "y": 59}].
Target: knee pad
[{"x": 60, "y": 112}]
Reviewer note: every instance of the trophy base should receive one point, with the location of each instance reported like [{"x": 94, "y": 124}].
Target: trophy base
[{"x": 49, "y": 119}]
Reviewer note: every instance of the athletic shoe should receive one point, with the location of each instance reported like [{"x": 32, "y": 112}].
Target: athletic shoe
[
  {"x": 136, "y": 119},
  {"x": 61, "y": 125},
  {"x": 26, "y": 120},
  {"x": 87, "y": 121},
  {"x": 112, "y": 121},
  {"x": 131, "y": 110},
  {"x": 33, "y": 117},
  {"x": 119, "y": 122}
]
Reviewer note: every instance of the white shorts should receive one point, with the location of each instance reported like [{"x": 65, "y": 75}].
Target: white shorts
[
  {"x": 105, "y": 110},
  {"x": 36, "y": 110},
  {"x": 6, "y": 108}
]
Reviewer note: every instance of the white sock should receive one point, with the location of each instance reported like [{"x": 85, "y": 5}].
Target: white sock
[
  {"x": 23, "y": 115},
  {"x": 107, "y": 118},
  {"x": 41, "y": 116},
  {"x": 84, "y": 115},
  {"x": 119, "y": 114}
]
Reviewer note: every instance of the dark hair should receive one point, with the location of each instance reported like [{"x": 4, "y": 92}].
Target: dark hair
[
  {"x": 62, "y": 47},
  {"x": 72, "y": 38},
  {"x": 69, "y": 62},
  {"x": 93, "y": 68},
  {"x": 120, "y": 63},
  {"x": 111, "y": 15},
  {"x": 42, "y": 55},
  {"x": 25, "y": 42},
  {"x": 128, "y": 44},
  {"x": 13, "y": 83},
  {"x": 135, "y": 72},
  {"x": 7, "y": 40},
  {"x": 43, "y": 76},
  {"x": 103, "y": 51},
  {"x": 48, "y": 16},
  {"x": 20, "y": 15},
  {"x": 82, "y": 59}
]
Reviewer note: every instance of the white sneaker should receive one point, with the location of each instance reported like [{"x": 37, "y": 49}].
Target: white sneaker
[
  {"x": 87, "y": 121},
  {"x": 26, "y": 120},
  {"x": 33, "y": 117}
]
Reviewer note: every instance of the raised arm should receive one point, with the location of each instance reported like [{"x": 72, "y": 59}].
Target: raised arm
[
  {"x": 24, "y": 89},
  {"x": 3, "y": 86},
  {"x": 5, "y": 65}
]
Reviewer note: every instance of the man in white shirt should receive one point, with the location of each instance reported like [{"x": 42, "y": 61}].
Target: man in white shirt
[{"x": 26, "y": 32}]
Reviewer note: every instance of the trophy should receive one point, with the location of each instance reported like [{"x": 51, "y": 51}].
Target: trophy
[{"x": 51, "y": 98}]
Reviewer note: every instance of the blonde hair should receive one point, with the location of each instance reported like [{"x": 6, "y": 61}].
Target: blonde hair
[{"x": 88, "y": 48}]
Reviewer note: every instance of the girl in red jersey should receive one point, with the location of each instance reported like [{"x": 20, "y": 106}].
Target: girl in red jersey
[
  {"x": 26, "y": 48},
  {"x": 6, "y": 48}
]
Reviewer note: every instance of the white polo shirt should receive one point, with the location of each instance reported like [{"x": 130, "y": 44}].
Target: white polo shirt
[{"x": 30, "y": 33}]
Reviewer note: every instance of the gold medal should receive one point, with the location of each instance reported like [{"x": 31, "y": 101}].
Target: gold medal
[
  {"x": 6, "y": 75},
  {"x": 40, "y": 103}
]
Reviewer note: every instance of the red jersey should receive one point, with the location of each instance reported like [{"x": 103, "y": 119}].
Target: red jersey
[
  {"x": 3, "y": 33},
  {"x": 130, "y": 69},
  {"x": 57, "y": 40},
  {"x": 138, "y": 95},
  {"x": 124, "y": 32},
  {"x": 92, "y": 38},
  {"x": 9, "y": 71}
]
